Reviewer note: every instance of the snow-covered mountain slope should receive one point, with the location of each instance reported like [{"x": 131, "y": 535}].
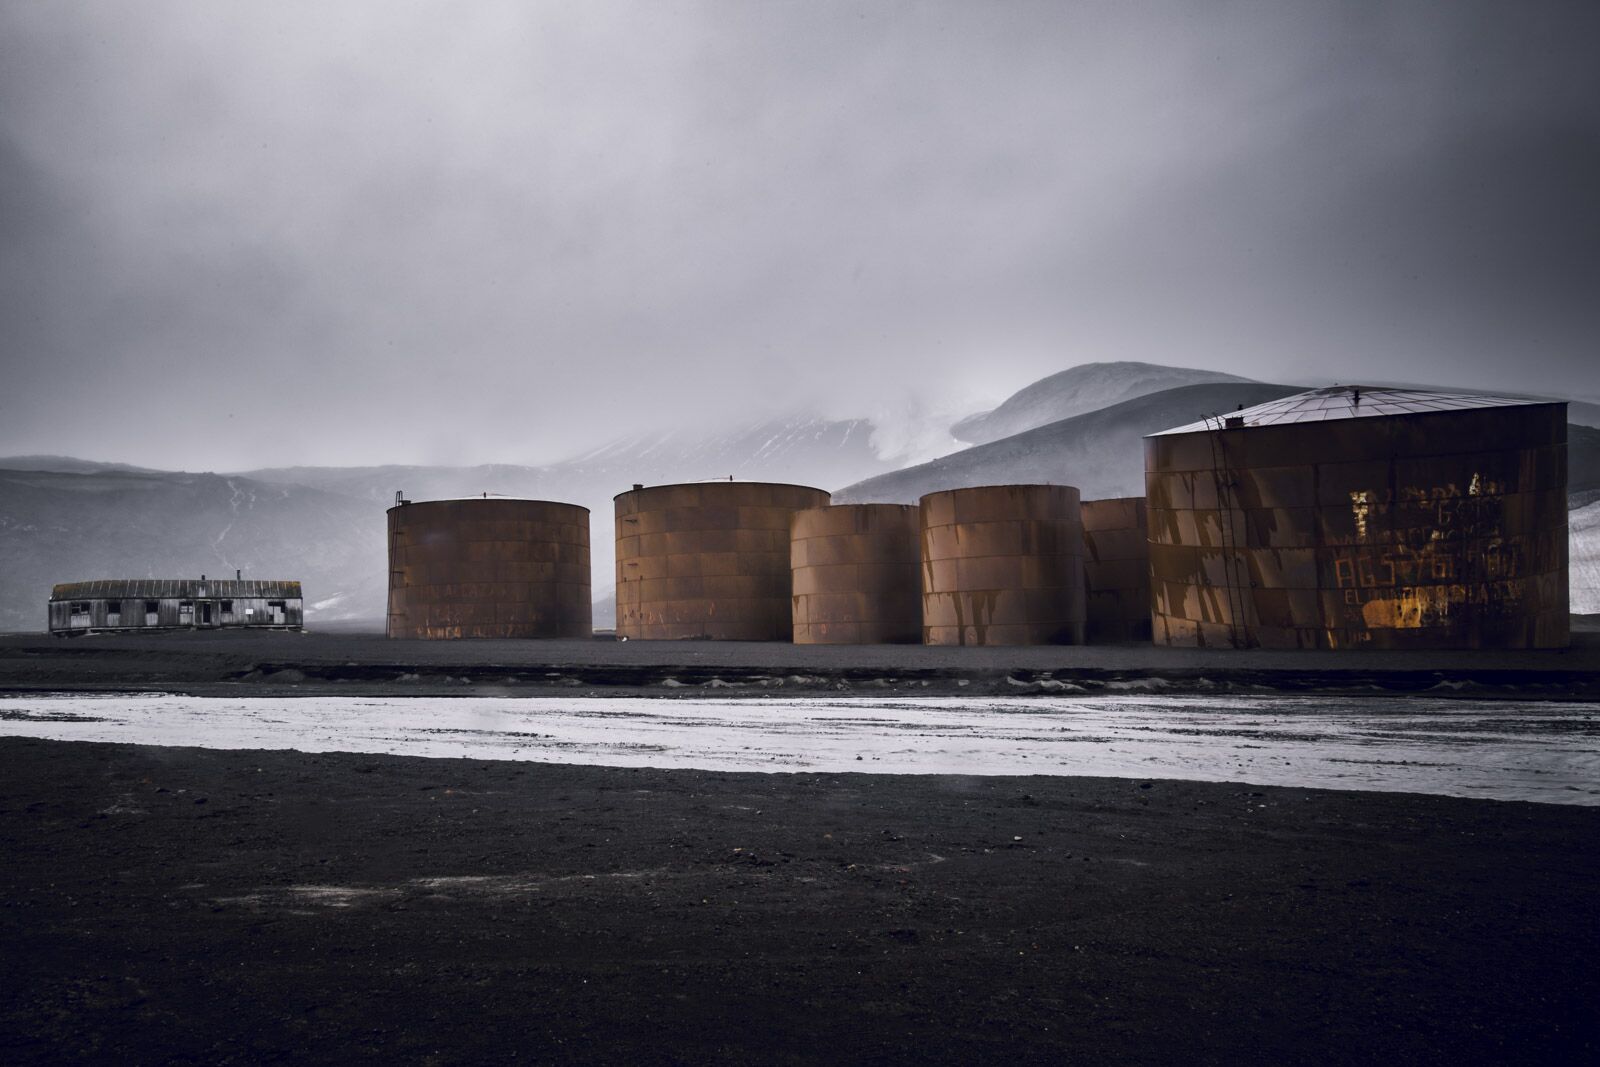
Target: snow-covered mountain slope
[
  {"x": 1583, "y": 526},
  {"x": 1078, "y": 391},
  {"x": 1102, "y": 452}
]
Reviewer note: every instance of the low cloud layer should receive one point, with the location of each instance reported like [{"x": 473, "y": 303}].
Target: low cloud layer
[{"x": 236, "y": 235}]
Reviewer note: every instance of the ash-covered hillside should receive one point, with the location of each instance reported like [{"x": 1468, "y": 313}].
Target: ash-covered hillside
[
  {"x": 1583, "y": 525},
  {"x": 1078, "y": 391},
  {"x": 1102, "y": 452}
]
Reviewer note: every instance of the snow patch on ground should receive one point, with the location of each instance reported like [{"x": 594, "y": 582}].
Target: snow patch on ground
[
  {"x": 1583, "y": 527},
  {"x": 1545, "y": 752}
]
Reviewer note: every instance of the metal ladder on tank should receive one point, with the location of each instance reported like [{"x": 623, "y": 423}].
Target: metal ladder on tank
[
  {"x": 1223, "y": 478},
  {"x": 389, "y": 614}
]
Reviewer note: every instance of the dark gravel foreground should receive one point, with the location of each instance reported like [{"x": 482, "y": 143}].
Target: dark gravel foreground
[{"x": 197, "y": 907}]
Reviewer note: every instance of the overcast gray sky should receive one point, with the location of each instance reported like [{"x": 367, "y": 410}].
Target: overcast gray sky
[{"x": 245, "y": 234}]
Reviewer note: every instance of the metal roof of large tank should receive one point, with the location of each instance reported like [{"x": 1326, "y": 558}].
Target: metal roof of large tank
[
  {"x": 493, "y": 498},
  {"x": 1354, "y": 402},
  {"x": 639, "y": 487}
]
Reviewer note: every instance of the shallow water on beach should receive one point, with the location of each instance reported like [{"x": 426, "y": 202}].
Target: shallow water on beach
[{"x": 1546, "y": 752}]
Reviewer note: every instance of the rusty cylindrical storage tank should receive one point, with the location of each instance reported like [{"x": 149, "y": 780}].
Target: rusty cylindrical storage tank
[
  {"x": 1362, "y": 518},
  {"x": 857, "y": 575},
  {"x": 1002, "y": 565},
  {"x": 1116, "y": 569},
  {"x": 489, "y": 568},
  {"x": 707, "y": 559}
]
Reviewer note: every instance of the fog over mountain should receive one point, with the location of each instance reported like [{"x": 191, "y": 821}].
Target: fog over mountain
[
  {"x": 1101, "y": 452},
  {"x": 1076, "y": 391},
  {"x": 293, "y": 233},
  {"x": 63, "y": 518}
]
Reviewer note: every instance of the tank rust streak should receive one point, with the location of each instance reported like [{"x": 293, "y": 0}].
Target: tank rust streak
[
  {"x": 856, "y": 574},
  {"x": 1002, "y": 565},
  {"x": 1116, "y": 570},
  {"x": 489, "y": 568},
  {"x": 707, "y": 560},
  {"x": 1416, "y": 529}
]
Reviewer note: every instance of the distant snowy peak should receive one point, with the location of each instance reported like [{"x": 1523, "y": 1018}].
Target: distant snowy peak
[{"x": 1077, "y": 391}]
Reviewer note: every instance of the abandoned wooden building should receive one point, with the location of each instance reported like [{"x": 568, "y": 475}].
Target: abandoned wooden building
[{"x": 174, "y": 603}]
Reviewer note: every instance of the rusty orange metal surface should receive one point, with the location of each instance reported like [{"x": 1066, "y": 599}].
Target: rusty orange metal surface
[
  {"x": 1423, "y": 529},
  {"x": 489, "y": 568},
  {"x": 1116, "y": 569},
  {"x": 707, "y": 560},
  {"x": 857, "y": 575},
  {"x": 1002, "y": 565}
]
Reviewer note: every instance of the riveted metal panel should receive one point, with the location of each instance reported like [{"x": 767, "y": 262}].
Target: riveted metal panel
[
  {"x": 856, "y": 575},
  {"x": 489, "y": 568},
  {"x": 1002, "y": 565},
  {"x": 707, "y": 559},
  {"x": 1435, "y": 528},
  {"x": 1116, "y": 569}
]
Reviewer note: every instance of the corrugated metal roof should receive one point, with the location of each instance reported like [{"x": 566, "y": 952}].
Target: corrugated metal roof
[
  {"x": 182, "y": 588},
  {"x": 1356, "y": 402}
]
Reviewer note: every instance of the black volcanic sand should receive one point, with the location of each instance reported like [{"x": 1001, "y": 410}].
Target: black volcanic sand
[
  {"x": 199, "y": 907},
  {"x": 274, "y": 664}
]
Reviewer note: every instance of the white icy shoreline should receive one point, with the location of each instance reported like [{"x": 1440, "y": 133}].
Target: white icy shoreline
[{"x": 1546, "y": 752}]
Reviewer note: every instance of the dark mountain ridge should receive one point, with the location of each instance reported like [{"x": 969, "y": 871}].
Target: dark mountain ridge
[
  {"x": 1101, "y": 452},
  {"x": 1078, "y": 391}
]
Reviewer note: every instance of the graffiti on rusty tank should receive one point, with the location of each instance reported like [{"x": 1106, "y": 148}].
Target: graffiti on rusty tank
[{"x": 1419, "y": 575}]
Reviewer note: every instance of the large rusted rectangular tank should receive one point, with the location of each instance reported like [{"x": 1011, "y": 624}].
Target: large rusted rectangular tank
[
  {"x": 489, "y": 567},
  {"x": 1116, "y": 570},
  {"x": 707, "y": 560},
  {"x": 857, "y": 575},
  {"x": 1362, "y": 518},
  {"x": 1002, "y": 565}
]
